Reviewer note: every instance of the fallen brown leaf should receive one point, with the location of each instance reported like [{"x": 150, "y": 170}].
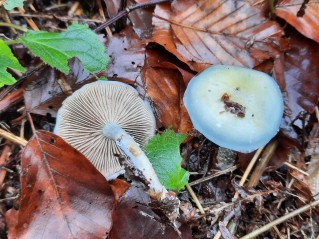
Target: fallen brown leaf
[
  {"x": 127, "y": 54},
  {"x": 305, "y": 21},
  {"x": 63, "y": 195},
  {"x": 209, "y": 32},
  {"x": 165, "y": 85},
  {"x": 301, "y": 76},
  {"x": 133, "y": 218}
]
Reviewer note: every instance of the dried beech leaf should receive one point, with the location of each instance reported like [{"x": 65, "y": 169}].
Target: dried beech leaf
[
  {"x": 304, "y": 18},
  {"x": 133, "y": 219},
  {"x": 166, "y": 89},
  {"x": 217, "y": 32},
  {"x": 63, "y": 195},
  {"x": 301, "y": 76},
  {"x": 127, "y": 54},
  {"x": 45, "y": 91}
]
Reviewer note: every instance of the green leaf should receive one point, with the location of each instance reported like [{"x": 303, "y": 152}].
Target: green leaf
[
  {"x": 164, "y": 153},
  {"x": 57, "y": 48},
  {"x": 10, "y": 4},
  {"x": 7, "y": 60}
]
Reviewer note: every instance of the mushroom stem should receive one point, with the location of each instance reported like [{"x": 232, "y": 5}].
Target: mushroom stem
[{"x": 137, "y": 156}]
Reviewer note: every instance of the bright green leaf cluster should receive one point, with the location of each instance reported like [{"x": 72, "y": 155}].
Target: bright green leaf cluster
[
  {"x": 7, "y": 60},
  {"x": 57, "y": 48},
  {"x": 10, "y": 4},
  {"x": 164, "y": 153}
]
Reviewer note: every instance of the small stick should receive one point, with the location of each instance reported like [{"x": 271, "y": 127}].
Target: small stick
[
  {"x": 13, "y": 138},
  {"x": 230, "y": 169},
  {"x": 196, "y": 201},
  {"x": 3, "y": 159},
  {"x": 280, "y": 220},
  {"x": 101, "y": 12},
  {"x": 127, "y": 11},
  {"x": 31, "y": 122},
  {"x": 260, "y": 168},
  {"x": 295, "y": 168},
  {"x": 243, "y": 179}
]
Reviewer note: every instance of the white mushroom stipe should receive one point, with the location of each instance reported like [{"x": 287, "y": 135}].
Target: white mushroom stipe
[
  {"x": 84, "y": 115},
  {"x": 235, "y": 107},
  {"x": 137, "y": 156}
]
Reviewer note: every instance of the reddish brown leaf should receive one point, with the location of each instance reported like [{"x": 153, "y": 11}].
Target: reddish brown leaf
[
  {"x": 119, "y": 187},
  {"x": 216, "y": 32},
  {"x": 134, "y": 219},
  {"x": 301, "y": 76},
  {"x": 165, "y": 86},
  {"x": 63, "y": 195},
  {"x": 305, "y": 21},
  {"x": 11, "y": 99}
]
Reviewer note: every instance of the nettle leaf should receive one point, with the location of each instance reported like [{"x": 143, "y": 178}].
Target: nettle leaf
[
  {"x": 7, "y": 60},
  {"x": 164, "y": 153},
  {"x": 10, "y": 4},
  {"x": 57, "y": 48}
]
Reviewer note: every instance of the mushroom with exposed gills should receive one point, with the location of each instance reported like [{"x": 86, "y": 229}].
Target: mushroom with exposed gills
[
  {"x": 235, "y": 107},
  {"x": 101, "y": 119}
]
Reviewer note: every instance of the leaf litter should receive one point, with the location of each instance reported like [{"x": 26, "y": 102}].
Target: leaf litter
[{"x": 187, "y": 37}]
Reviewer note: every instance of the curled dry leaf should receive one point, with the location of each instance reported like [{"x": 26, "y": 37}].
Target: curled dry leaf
[
  {"x": 134, "y": 219},
  {"x": 301, "y": 76},
  {"x": 209, "y": 32},
  {"x": 165, "y": 84},
  {"x": 63, "y": 195},
  {"x": 45, "y": 90},
  {"x": 302, "y": 15}
]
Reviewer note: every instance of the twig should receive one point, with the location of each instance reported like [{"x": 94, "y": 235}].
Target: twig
[
  {"x": 243, "y": 179},
  {"x": 10, "y": 198},
  {"x": 230, "y": 169},
  {"x": 11, "y": 25},
  {"x": 127, "y": 11},
  {"x": 280, "y": 220},
  {"x": 295, "y": 168},
  {"x": 196, "y": 201},
  {"x": 3, "y": 159},
  {"x": 31, "y": 122},
  {"x": 248, "y": 169},
  {"x": 260, "y": 168},
  {"x": 17, "y": 14},
  {"x": 12, "y": 138}
]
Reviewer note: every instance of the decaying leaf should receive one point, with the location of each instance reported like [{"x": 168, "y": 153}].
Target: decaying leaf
[
  {"x": 209, "y": 32},
  {"x": 63, "y": 195},
  {"x": 134, "y": 219},
  {"x": 302, "y": 15},
  {"x": 301, "y": 76},
  {"x": 44, "y": 91},
  {"x": 127, "y": 54},
  {"x": 165, "y": 85},
  {"x": 313, "y": 168}
]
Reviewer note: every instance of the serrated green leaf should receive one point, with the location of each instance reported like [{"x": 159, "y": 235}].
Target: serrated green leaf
[
  {"x": 164, "y": 153},
  {"x": 7, "y": 60},
  {"x": 57, "y": 48},
  {"x": 10, "y": 4}
]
